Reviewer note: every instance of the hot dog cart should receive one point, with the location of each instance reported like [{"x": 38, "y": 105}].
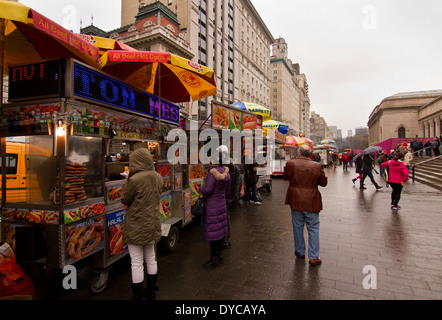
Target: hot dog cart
[
  {"x": 247, "y": 125},
  {"x": 76, "y": 135}
]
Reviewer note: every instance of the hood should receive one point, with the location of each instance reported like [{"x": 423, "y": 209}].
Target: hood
[
  {"x": 395, "y": 162},
  {"x": 140, "y": 160},
  {"x": 219, "y": 176}
]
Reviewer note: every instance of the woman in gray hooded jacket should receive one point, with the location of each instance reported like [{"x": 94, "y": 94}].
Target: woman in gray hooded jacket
[{"x": 142, "y": 225}]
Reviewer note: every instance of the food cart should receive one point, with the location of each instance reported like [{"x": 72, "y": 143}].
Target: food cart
[
  {"x": 237, "y": 120},
  {"x": 325, "y": 151},
  {"x": 75, "y": 134}
]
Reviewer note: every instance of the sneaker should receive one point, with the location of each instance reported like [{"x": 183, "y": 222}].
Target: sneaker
[
  {"x": 315, "y": 262},
  {"x": 257, "y": 203},
  {"x": 396, "y": 207}
]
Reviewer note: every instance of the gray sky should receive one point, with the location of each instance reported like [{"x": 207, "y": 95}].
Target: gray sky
[{"x": 353, "y": 52}]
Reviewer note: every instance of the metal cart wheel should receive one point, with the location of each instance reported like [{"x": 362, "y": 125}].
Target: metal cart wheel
[
  {"x": 99, "y": 282},
  {"x": 170, "y": 243}
]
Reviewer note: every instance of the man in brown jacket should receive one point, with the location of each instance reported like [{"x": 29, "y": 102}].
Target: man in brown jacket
[{"x": 305, "y": 202}]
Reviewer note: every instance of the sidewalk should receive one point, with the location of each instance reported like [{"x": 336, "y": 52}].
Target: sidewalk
[{"x": 358, "y": 229}]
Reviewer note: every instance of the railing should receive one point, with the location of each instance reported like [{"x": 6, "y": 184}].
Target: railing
[
  {"x": 422, "y": 150},
  {"x": 423, "y": 162}
]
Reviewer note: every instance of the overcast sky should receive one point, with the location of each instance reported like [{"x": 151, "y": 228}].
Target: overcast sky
[{"x": 354, "y": 52}]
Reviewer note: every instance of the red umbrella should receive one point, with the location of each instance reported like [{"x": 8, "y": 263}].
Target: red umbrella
[{"x": 26, "y": 37}]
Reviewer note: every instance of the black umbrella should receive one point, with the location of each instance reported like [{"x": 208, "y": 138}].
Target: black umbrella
[{"x": 367, "y": 151}]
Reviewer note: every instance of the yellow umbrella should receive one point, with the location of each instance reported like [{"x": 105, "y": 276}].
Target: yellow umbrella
[
  {"x": 162, "y": 74},
  {"x": 255, "y": 108}
]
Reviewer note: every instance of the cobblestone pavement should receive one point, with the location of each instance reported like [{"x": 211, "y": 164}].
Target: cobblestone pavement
[{"x": 403, "y": 251}]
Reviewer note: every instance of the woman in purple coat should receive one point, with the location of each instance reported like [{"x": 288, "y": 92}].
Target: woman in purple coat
[{"x": 215, "y": 189}]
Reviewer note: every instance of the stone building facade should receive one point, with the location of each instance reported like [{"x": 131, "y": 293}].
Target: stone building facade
[{"x": 406, "y": 115}]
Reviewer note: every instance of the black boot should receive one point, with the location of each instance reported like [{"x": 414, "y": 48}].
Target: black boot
[
  {"x": 151, "y": 287},
  {"x": 137, "y": 289},
  {"x": 213, "y": 262}
]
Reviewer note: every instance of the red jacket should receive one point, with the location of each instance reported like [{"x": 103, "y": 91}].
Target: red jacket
[
  {"x": 345, "y": 157},
  {"x": 397, "y": 171}
]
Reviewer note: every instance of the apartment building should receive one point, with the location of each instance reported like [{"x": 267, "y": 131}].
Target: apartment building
[
  {"x": 289, "y": 98},
  {"x": 285, "y": 99},
  {"x": 319, "y": 129},
  {"x": 226, "y": 35}
]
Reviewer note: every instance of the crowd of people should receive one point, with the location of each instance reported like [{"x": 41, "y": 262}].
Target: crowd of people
[{"x": 141, "y": 195}]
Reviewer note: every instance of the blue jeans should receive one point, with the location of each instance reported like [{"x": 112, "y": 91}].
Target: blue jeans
[
  {"x": 311, "y": 221},
  {"x": 251, "y": 187}
]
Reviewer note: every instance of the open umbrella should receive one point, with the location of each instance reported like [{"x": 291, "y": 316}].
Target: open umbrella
[
  {"x": 105, "y": 44},
  {"x": 370, "y": 150},
  {"x": 26, "y": 37},
  {"x": 367, "y": 151},
  {"x": 277, "y": 125},
  {"x": 162, "y": 74},
  {"x": 327, "y": 141},
  {"x": 254, "y": 108},
  {"x": 292, "y": 141}
]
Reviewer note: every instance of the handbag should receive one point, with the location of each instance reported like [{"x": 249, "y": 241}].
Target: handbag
[{"x": 199, "y": 207}]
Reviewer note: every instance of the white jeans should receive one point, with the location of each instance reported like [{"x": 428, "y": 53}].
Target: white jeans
[{"x": 137, "y": 253}]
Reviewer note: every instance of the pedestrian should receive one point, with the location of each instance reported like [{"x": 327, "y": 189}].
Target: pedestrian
[
  {"x": 345, "y": 161},
  {"x": 428, "y": 148},
  {"x": 408, "y": 157},
  {"x": 334, "y": 159},
  {"x": 305, "y": 202},
  {"x": 397, "y": 177},
  {"x": 413, "y": 147},
  {"x": 382, "y": 157},
  {"x": 358, "y": 165},
  {"x": 215, "y": 225},
  {"x": 367, "y": 168},
  {"x": 251, "y": 178},
  {"x": 142, "y": 225},
  {"x": 435, "y": 145},
  {"x": 420, "y": 145}
]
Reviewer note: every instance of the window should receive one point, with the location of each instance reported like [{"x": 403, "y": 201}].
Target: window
[
  {"x": 401, "y": 133},
  {"x": 11, "y": 163}
]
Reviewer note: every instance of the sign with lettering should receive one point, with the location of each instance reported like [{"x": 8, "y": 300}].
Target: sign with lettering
[
  {"x": 38, "y": 80},
  {"x": 95, "y": 86}
]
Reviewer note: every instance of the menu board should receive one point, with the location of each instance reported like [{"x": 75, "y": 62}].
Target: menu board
[
  {"x": 31, "y": 215},
  {"x": 165, "y": 206},
  {"x": 196, "y": 180},
  {"x": 235, "y": 120},
  {"x": 178, "y": 176},
  {"x": 220, "y": 117},
  {"x": 165, "y": 170},
  {"x": 84, "y": 239},
  {"x": 83, "y": 212},
  {"x": 115, "y": 243}
]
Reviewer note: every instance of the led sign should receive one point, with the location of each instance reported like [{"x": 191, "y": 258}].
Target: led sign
[
  {"x": 38, "y": 80},
  {"x": 92, "y": 85}
]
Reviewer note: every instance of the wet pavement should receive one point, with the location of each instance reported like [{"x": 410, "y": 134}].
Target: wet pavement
[{"x": 403, "y": 251}]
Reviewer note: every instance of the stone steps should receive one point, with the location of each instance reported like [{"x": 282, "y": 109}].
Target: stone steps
[{"x": 429, "y": 173}]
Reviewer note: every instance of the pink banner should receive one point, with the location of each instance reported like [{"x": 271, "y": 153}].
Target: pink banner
[
  {"x": 138, "y": 56},
  {"x": 57, "y": 31}
]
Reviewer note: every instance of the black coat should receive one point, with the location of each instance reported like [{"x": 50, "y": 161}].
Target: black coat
[{"x": 250, "y": 173}]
